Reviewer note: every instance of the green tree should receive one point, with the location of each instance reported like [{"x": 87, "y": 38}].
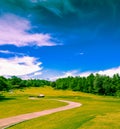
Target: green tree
[
  {"x": 98, "y": 84},
  {"x": 4, "y": 86},
  {"x": 15, "y": 81},
  {"x": 89, "y": 83}
]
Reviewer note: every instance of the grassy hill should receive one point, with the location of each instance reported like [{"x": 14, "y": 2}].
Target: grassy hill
[{"x": 97, "y": 112}]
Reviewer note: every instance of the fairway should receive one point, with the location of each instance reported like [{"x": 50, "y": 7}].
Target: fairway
[
  {"x": 96, "y": 112},
  {"x": 7, "y": 122},
  {"x": 19, "y": 102}
]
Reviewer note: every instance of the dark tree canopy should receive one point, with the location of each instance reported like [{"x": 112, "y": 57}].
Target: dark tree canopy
[{"x": 96, "y": 84}]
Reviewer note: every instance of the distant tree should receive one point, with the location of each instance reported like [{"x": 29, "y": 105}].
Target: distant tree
[
  {"x": 107, "y": 85},
  {"x": 53, "y": 84},
  {"x": 90, "y": 82},
  {"x": 115, "y": 84},
  {"x": 4, "y": 86},
  {"x": 98, "y": 84},
  {"x": 15, "y": 81},
  {"x": 22, "y": 84},
  {"x": 72, "y": 83},
  {"x": 84, "y": 84}
]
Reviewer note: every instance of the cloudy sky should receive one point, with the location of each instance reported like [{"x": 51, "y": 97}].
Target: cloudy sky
[{"x": 57, "y": 38}]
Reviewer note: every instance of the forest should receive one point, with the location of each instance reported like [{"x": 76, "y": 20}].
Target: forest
[
  {"x": 15, "y": 82},
  {"x": 95, "y": 84}
]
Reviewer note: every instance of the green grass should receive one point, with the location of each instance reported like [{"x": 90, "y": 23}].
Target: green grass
[
  {"x": 97, "y": 112},
  {"x": 18, "y": 102}
]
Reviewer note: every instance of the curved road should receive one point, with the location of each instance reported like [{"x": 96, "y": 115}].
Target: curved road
[{"x": 6, "y": 122}]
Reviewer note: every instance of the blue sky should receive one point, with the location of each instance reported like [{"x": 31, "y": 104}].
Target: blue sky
[{"x": 48, "y": 39}]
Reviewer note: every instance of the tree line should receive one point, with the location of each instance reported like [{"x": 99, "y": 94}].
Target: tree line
[
  {"x": 96, "y": 84},
  {"x": 15, "y": 82}
]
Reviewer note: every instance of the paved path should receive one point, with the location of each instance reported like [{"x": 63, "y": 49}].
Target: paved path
[{"x": 5, "y": 122}]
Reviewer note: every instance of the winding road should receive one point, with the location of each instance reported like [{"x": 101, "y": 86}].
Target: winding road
[{"x": 6, "y": 122}]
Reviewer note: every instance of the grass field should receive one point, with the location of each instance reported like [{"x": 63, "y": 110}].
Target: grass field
[
  {"x": 97, "y": 112},
  {"x": 18, "y": 102}
]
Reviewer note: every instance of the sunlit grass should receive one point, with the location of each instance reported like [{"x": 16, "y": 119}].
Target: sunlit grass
[
  {"x": 97, "y": 112},
  {"x": 19, "y": 102},
  {"x": 106, "y": 121}
]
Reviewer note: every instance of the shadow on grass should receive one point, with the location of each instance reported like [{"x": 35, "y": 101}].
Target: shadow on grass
[{"x": 3, "y": 98}]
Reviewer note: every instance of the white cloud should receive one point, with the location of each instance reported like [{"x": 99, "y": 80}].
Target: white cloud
[
  {"x": 110, "y": 72},
  {"x": 37, "y": 73},
  {"x": 34, "y": 75},
  {"x": 53, "y": 75},
  {"x": 10, "y": 52},
  {"x": 84, "y": 74},
  {"x": 19, "y": 66},
  {"x": 72, "y": 73},
  {"x": 81, "y": 53},
  {"x": 6, "y": 52},
  {"x": 28, "y": 67},
  {"x": 14, "y": 30}
]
